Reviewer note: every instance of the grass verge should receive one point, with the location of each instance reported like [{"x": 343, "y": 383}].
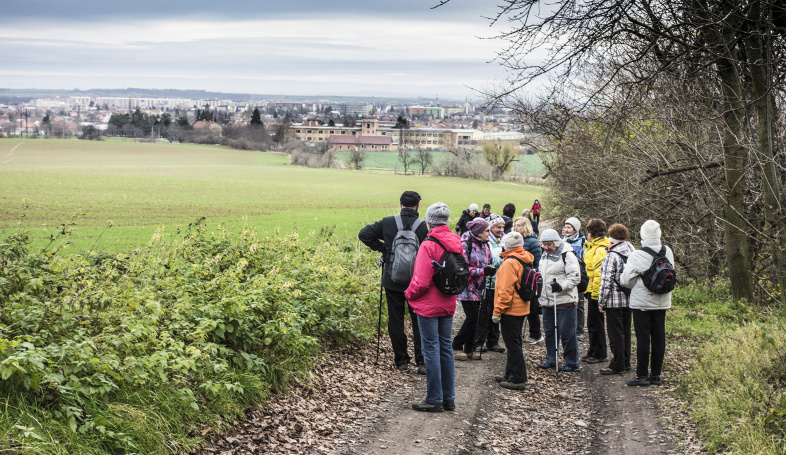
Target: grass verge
[{"x": 733, "y": 379}]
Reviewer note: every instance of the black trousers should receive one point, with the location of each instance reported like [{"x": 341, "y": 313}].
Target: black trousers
[
  {"x": 492, "y": 337},
  {"x": 516, "y": 368},
  {"x": 580, "y": 316},
  {"x": 618, "y": 327},
  {"x": 533, "y": 319},
  {"x": 465, "y": 337},
  {"x": 650, "y": 333},
  {"x": 397, "y": 305},
  {"x": 536, "y": 218},
  {"x": 596, "y": 329}
]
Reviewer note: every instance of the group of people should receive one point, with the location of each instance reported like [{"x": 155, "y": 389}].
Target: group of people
[{"x": 498, "y": 250}]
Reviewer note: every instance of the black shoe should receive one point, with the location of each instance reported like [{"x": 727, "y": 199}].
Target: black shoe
[
  {"x": 421, "y": 369},
  {"x": 484, "y": 349},
  {"x": 449, "y": 405},
  {"x": 628, "y": 368},
  {"x": 580, "y": 337},
  {"x": 609, "y": 371},
  {"x": 513, "y": 385},
  {"x": 546, "y": 366},
  {"x": 596, "y": 360},
  {"x": 497, "y": 348},
  {"x": 402, "y": 367},
  {"x": 638, "y": 381},
  {"x": 654, "y": 380},
  {"x": 586, "y": 356},
  {"x": 427, "y": 407},
  {"x": 499, "y": 378},
  {"x": 568, "y": 369}
]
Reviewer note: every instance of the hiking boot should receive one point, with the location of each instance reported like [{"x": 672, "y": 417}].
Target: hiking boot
[
  {"x": 609, "y": 371},
  {"x": 484, "y": 349},
  {"x": 421, "y": 369},
  {"x": 497, "y": 348},
  {"x": 568, "y": 369},
  {"x": 449, "y": 405},
  {"x": 654, "y": 380},
  {"x": 596, "y": 360},
  {"x": 580, "y": 337},
  {"x": 499, "y": 378},
  {"x": 474, "y": 356},
  {"x": 638, "y": 381},
  {"x": 531, "y": 340},
  {"x": 586, "y": 356},
  {"x": 546, "y": 366},
  {"x": 402, "y": 367},
  {"x": 513, "y": 385},
  {"x": 428, "y": 407},
  {"x": 460, "y": 355}
]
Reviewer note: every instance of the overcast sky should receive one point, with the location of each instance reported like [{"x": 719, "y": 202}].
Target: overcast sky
[{"x": 297, "y": 47}]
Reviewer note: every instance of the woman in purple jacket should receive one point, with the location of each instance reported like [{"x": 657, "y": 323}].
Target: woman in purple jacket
[
  {"x": 435, "y": 313},
  {"x": 477, "y": 252}
]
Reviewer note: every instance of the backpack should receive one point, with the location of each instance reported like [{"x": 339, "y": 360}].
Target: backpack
[
  {"x": 452, "y": 276},
  {"x": 661, "y": 276},
  {"x": 584, "y": 281},
  {"x": 403, "y": 251},
  {"x": 531, "y": 282},
  {"x": 622, "y": 288}
]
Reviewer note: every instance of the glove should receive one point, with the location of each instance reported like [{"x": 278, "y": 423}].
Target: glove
[
  {"x": 555, "y": 287},
  {"x": 495, "y": 319},
  {"x": 489, "y": 271}
]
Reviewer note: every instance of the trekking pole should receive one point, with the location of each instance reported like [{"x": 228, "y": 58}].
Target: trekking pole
[
  {"x": 556, "y": 336},
  {"x": 379, "y": 321}
]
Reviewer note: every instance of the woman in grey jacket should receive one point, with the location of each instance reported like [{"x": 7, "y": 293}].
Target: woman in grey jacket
[{"x": 648, "y": 308}]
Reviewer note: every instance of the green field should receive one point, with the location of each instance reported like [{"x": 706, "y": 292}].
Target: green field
[{"x": 141, "y": 186}]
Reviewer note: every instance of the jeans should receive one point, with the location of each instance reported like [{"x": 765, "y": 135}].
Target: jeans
[
  {"x": 566, "y": 326},
  {"x": 580, "y": 316},
  {"x": 596, "y": 329},
  {"x": 465, "y": 338},
  {"x": 618, "y": 326},
  {"x": 438, "y": 355},
  {"x": 516, "y": 368},
  {"x": 397, "y": 305},
  {"x": 650, "y": 328}
]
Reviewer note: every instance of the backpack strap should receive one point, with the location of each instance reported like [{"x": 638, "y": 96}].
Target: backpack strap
[
  {"x": 416, "y": 224},
  {"x": 434, "y": 239},
  {"x": 399, "y": 223},
  {"x": 652, "y": 252}
]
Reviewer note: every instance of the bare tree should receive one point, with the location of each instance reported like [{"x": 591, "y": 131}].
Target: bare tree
[
  {"x": 423, "y": 158},
  {"x": 405, "y": 159}
]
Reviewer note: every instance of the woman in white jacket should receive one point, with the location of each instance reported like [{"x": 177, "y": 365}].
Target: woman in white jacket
[
  {"x": 648, "y": 308},
  {"x": 560, "y": 277}
]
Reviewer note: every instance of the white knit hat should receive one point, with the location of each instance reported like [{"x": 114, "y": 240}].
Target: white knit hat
[
  {"x": 473, "y": 206},
  {"x": 550, "y": 235},
  {"x": 650, "y": 230},
  {"x": 574, "y": 222},
  {"x": 495, "y": 219},
  {"x": 512, "y": 240}
]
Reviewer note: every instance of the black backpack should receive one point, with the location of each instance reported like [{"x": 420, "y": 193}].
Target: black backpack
[
  {"x": 584, "y": 282},
  {"x": 531, "y": 284},
  {"x": 661, "y": 276},
  {"x": 452, "y": 276},
  {"x": 622, "y": 288}
]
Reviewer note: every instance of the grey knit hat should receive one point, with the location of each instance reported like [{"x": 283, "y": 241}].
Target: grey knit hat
[
  {"x": 512, "y": 240},
  {"x": 437, "y": 214},
  {"x": 550, "y": 235}
]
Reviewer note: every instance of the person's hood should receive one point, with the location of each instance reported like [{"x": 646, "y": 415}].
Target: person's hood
[{"x": 520, "y": 253}]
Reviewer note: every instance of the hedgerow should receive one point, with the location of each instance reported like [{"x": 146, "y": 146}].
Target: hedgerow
[{"x": 146, "y": 352}]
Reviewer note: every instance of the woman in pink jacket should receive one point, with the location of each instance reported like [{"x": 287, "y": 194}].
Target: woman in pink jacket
[{"x": 435, "y": 312}]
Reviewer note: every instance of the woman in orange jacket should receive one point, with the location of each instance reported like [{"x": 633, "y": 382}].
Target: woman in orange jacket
[{"x": 510, "y": 310}]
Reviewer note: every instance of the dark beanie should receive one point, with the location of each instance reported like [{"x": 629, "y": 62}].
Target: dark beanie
[{"x": 410, "y": 199}]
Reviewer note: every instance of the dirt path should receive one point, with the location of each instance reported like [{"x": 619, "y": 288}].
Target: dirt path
[{"x": 355, "y": 407}]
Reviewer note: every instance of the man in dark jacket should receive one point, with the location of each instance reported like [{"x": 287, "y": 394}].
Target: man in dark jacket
[
  {"x": 466, "y": 216},
  {"x": 379, "y": 237}
]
